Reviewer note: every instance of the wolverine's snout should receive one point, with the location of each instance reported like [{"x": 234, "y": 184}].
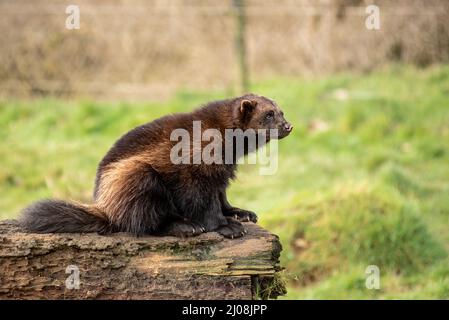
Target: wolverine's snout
[
  {"x": 285, "y": 130},
  {"x": 288, "y": 127}
]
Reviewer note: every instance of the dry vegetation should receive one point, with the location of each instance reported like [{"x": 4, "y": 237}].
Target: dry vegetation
[{"x": 150, "y": 48}]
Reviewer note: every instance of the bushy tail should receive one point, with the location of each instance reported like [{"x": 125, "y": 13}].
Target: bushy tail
[{"x": 56, "y": 216}]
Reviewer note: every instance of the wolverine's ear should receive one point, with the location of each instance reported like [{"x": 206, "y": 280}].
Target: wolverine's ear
[{"x": 247, "y": 107}]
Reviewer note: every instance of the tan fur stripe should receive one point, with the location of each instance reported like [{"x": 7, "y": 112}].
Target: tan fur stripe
[{"x": 116, "y": 179}]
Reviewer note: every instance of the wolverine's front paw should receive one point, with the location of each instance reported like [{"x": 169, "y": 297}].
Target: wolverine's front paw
[
  {"x": 241, "y": 215},
  {"x": 233, "y": 229}
]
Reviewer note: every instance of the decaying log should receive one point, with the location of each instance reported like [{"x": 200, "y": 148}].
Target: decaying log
[{"x": 47, "y": 266}]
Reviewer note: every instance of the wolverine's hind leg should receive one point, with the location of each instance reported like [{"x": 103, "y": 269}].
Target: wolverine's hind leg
[
  {"x": 135, "y": 198},
  {"x": 181, "y": 228},
  {"x": 202, "y": 206}
]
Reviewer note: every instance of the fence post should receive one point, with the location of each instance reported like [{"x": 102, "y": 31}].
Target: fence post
[{"x": 240, "y": 45}]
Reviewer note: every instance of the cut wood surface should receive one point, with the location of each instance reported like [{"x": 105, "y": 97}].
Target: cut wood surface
[{"x": 120, "y": 266}]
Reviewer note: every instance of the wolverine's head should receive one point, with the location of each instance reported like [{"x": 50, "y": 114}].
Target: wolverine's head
[{"x": 258, "y": 113}]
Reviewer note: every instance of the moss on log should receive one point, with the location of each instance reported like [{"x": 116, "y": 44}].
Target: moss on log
[{"x": 46, "y": 266}]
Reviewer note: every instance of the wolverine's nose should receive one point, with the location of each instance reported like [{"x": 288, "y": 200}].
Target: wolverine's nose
[{"x": 288, "y": 127}]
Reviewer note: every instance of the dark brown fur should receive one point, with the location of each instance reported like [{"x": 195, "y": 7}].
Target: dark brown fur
[{"x": 139, "y": 190}]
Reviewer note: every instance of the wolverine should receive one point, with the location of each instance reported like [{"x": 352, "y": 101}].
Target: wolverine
[{"x": 139, "y": 189}]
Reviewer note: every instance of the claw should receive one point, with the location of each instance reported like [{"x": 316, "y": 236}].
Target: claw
[
  {"x": 232, "y": 236},
  {"x": 193, "y": 230}
]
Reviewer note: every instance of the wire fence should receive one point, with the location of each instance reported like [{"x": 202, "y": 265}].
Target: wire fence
[{"x": 152, "y": 48}]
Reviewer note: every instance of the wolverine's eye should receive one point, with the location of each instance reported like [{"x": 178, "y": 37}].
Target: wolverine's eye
[{"x": 269, "y": 115}]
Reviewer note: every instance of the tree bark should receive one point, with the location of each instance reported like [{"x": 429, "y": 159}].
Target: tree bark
[{"x": 48, "y": 266}]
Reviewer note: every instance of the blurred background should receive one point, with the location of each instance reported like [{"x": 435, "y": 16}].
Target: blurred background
[{"x": 363, "y": 179}]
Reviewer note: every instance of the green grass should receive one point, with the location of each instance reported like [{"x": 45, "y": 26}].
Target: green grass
[{"x": 363, "y": 179}]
